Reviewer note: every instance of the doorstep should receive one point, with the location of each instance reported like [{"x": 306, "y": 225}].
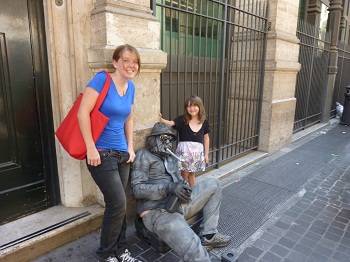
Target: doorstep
[{"x": 29, "y": 237}]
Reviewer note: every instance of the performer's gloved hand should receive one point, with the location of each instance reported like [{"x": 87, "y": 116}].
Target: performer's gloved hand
[{"x": 181, "y": 190}]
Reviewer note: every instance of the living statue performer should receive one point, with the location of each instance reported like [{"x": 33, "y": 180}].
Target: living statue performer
[{"x": 165, "y": 200}]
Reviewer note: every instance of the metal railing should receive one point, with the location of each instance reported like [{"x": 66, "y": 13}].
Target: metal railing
[
  {"x": 313, "y": 75},
  {"x": 343, "y": 75},
  {"x": 216, "y": 50}
]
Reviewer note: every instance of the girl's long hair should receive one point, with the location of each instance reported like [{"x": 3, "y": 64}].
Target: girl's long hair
[{"x": 196, "y": 101}]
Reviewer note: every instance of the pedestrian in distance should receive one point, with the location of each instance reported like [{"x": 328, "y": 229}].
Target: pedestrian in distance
[
  {"x": 193, "y": 131},
  {"x": 109, "y": 158}
]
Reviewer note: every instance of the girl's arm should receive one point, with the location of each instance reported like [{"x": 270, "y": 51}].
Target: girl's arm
[
  {"x": 206, "y": 148},
  {"x": 129, "y": 133},
  {"x": 87, "y": 104},
  {"x": 164, "y": 121}
]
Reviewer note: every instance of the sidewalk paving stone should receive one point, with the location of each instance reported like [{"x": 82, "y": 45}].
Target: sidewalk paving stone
[{"x": 292, "y": 208}]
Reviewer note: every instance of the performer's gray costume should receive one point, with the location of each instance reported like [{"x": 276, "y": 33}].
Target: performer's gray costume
[{"x": 155, "y": 180}]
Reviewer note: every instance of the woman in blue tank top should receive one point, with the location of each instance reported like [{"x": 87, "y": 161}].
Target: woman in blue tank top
[{"x": 108, "y": 160}]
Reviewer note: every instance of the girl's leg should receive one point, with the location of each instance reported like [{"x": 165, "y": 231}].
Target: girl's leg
[
  {"x": 191, "y": 179},
  {"x": 184, "y": 175}
]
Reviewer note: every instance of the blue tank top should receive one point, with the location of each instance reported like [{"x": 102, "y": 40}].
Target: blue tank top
[{"x": 117, "y": 108}]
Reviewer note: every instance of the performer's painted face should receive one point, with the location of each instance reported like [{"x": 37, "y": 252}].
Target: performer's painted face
[
  {"x": 160, "y": 143},
  {"x": 162, "y": 139},
  {"x": 168, "y": 142}
]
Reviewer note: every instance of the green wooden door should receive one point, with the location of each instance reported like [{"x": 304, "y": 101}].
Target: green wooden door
[{"x": 24, "y": 170}]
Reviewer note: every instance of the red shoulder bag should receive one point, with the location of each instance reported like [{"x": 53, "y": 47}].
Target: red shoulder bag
[{"x": 69, "y": 134}]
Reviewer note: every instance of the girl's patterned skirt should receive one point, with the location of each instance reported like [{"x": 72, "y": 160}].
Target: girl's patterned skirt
[{"x": 192, "y": 154}]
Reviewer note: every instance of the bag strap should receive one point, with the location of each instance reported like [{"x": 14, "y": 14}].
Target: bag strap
[{"x": 104, "y": 91}]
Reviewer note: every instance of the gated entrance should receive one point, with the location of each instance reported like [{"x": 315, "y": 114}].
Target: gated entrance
[
  {"x": 27, "y": 156},
  {"x": 343, "y": 76},
  {"x": 313, "y": 75},
  {"x": 216, "y": 50}
]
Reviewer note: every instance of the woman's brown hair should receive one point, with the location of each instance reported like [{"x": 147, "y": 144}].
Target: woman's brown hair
[
  {"x": 122, "y": 48},
  {"x": 196, "y": 101}
]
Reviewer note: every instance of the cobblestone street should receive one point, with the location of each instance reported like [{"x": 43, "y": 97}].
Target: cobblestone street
[{"x": 291, "y": 206}]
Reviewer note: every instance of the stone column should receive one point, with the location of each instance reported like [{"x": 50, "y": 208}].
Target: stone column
[
  {"x": 67, "y": 25},
  {"x": 81, "y": 37},
  {"x": 314, "y": 12},
  {"x": 281, "y": 68},
  {"x": 116, "y": 22},
  {"x": 335, "y": 12}
]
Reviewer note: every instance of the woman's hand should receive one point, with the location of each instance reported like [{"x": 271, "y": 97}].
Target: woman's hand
[
  {"x": 92, "y": 156},
  {"x": 131, "y": 155}
]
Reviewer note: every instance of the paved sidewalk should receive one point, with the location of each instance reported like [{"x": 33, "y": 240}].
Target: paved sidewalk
[
  {"x": 315, "y": 226},
  {"x": 291, "y": 206}
]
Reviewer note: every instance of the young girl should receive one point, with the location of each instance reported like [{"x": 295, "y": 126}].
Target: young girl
[{"x": 193, "y": 130}]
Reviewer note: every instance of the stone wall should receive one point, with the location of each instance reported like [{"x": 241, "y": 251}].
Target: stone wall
[{"x": 81, "y": 37}]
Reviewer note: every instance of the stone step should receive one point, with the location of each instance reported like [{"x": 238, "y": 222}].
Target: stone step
[{"x": 31, "y": 236}]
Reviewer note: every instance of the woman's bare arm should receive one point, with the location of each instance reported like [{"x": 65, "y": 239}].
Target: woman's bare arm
[{"x": 87, "y": 104}]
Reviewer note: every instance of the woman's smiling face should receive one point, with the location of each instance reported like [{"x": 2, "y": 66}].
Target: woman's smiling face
[{"x": 127, "y": 65}]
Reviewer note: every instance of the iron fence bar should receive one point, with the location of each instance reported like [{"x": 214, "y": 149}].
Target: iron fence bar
[
  {"x": 205, "y": 16},
  {"x": 239, "y": 141},
  {"x": 319, "y": 48},
  {"x": 252, "y": 84},
  {"x": 185, "y": 68},
  {"x": 250, "y": 76},
  {"x": 262, "y": 70},
  {"x": 245, "y": 72},
  {"x": 311, "y": 75},
  {"x": 236, "y": 8},
  {"x": 178, "y": 62},
  {"x": 223, "y": 55},
  {"x": 237, "y": 84},
  {"x": 226, "y": 85},
  {"x": 306, "y": 125},
  {"x": 154, "y": 7},
  {"x": 343, "y": 50},
  {"x": 210, "y": 84},
  {"x": 232, "y": 80},
  {"x": 313, "y": 37},
  {"x": 205, "y": 51},
  {"x": 192, "y": 58},
  {"x": 247, "y": 12},
  {"x": 170, "y": 58},
  {"x": 199, "y": 47},
  {"x": 240, "y": 103}
]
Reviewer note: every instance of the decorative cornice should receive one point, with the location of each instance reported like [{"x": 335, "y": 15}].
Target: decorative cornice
[
  {"x": 335, "y": 5},
  {"x": 123, "y": 8},
  {"x": 291, "y": 38}
]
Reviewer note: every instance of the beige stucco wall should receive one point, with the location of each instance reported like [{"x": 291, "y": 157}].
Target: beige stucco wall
[
  {"x": 281, "y": 68},
  {"x": 81, "y": 36},
  {"x": 68, "y": 38}
]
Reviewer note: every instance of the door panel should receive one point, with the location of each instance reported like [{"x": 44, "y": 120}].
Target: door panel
[{"x": 23, "y": 185}]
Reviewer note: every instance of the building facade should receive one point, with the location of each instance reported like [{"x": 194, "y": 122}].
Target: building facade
[{"x": 242, "y": 60}]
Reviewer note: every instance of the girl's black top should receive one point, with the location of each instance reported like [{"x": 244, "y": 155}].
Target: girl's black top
[{"x": 186, "y": 133}]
